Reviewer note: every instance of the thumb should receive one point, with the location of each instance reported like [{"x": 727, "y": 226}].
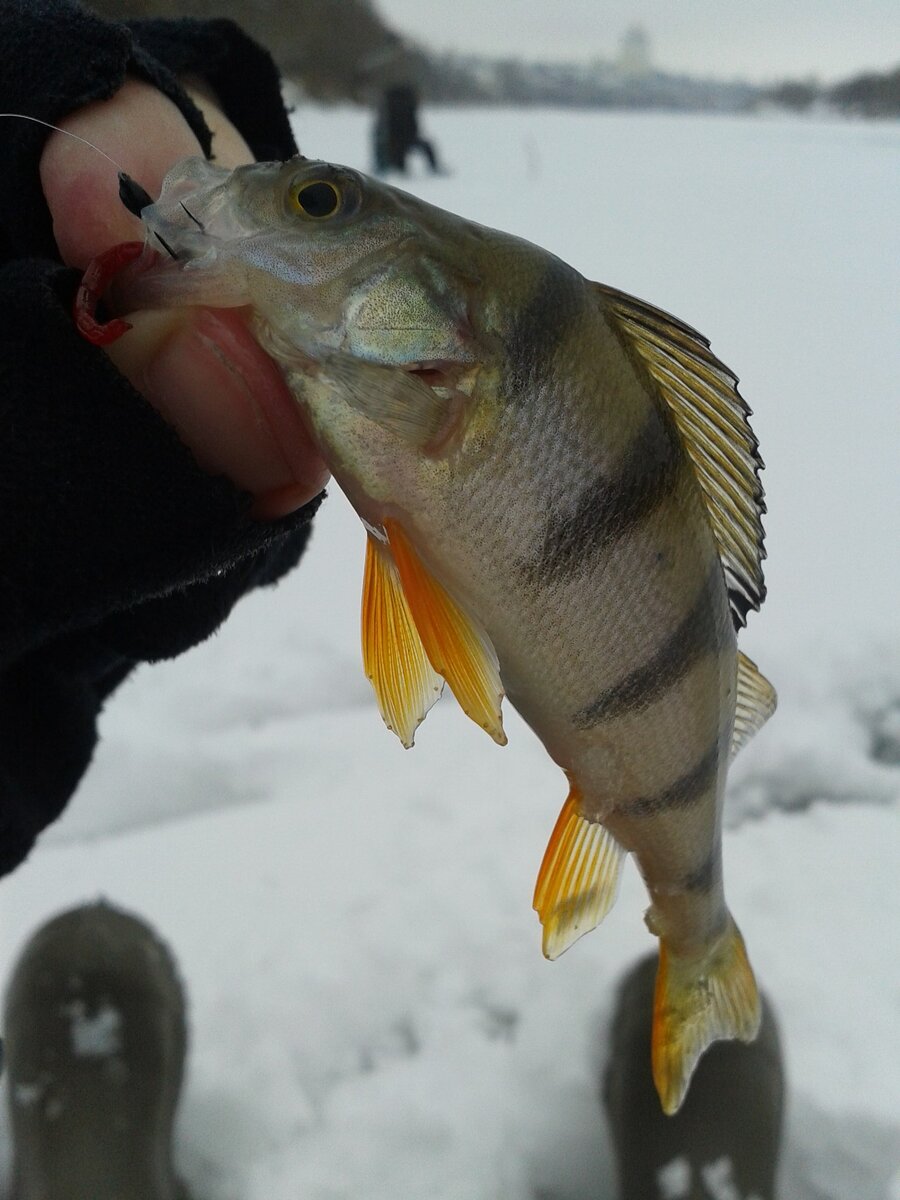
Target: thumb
[
  {"x": 199, "y": 368},
  {"x": 205, "y": 374}
]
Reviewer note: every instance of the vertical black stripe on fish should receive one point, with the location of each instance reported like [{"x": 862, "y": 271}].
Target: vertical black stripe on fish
[
  {"x": 696, "y": 635},
  {"x": 686, "y": 791},
  {"x": 705, "y": 875},
  {"x": 614, "y": 503},
  {"x": 539, "y": 327}
]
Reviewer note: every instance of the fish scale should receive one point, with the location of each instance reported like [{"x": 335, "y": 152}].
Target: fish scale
[{"x": 560, "y": 488}]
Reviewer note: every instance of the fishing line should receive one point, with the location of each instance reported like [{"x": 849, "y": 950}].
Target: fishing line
[
  {"x": 77, "y": 137},
  {"x": 133, "y": 196}
]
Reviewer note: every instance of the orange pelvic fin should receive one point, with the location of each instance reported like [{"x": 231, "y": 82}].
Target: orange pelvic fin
[
  {"x": 699, "y": 1001},
  {"x": 578, "y": 880},
  {"x": 394, "y": 658},
  {"x": 456, "y": 648}
]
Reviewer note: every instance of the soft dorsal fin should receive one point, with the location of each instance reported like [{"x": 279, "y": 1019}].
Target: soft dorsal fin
[
  {"x": 756, "y": 701},
  {"x": 394, "y": 658},
  {"x": 712, "y": 419},
  {"x": 456, "y": 647}
]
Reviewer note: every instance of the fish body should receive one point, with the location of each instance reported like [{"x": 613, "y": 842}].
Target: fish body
[{"x": 561, "y": 495}]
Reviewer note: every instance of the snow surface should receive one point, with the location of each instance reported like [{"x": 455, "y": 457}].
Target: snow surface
[
  {"x": 372, "y": 1018},
  {"x": 97, "y": 1035}
]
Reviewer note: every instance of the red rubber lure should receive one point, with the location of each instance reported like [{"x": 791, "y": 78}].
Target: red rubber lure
[{"x": 99, "y": 274}]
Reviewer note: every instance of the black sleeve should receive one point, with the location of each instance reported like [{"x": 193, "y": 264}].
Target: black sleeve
[{"x": 115, "y": 547}]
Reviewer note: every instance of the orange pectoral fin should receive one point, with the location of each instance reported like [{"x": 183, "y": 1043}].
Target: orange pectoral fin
[
  {"x": 455, "y": 647},
  {"x": 578, "y": 880},
  {"x": 394, "y": 658}
]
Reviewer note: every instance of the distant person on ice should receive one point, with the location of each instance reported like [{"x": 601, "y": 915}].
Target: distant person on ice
[{"x": 397, "y": 131}]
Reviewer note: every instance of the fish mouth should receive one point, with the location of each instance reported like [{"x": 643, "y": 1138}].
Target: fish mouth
[
  {"x": 226, "y": 396},
  {"x": 155, "y": 281}
]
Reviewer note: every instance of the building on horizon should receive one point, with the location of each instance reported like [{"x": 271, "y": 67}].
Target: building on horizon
[{"x": 635, "y": 60}]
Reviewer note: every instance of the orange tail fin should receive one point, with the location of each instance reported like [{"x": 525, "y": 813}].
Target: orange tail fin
[{"x": 699, "y": 1001}]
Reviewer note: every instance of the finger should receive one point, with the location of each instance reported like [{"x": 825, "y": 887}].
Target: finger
[
  {"x": 205, "y": 374},
  {"x": 144, "y": 133},
  {"x": 202, "y": 371}
]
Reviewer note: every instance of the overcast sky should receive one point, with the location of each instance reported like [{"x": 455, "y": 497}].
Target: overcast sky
[{"x": 758, "y": 40}]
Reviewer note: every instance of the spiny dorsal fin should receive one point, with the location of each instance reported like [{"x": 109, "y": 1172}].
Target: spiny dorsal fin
[
  {"x": 578, "y": 880},
  {"x": 394, "y": 658},
  {"x": 456, "y": 647},
  {"x": 712, "y": 418},
  {"x": 756, "y": 701}
]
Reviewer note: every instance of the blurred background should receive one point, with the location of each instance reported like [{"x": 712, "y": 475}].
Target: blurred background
[
  {"x": 812, "y": 54},
  {"x": 371, "y": 1014}
]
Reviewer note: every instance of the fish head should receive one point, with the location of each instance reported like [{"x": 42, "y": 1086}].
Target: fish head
[
  {"x": 380, "y": 308},
  {"x": 373, "y": 308},
  {"x": 329, "y": 258}
]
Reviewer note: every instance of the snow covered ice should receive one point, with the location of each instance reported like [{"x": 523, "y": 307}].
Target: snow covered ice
[{"x": 371, "y": 1015}]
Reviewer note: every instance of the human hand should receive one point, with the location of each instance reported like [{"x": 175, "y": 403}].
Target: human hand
[{"x": 200, "y": 368}]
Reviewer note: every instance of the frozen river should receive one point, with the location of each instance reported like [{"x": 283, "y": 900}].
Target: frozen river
[{"x": 372, "y": 1018}]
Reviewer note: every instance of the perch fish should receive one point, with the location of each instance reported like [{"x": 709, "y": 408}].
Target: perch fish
[{"x": 561, "y": 497}]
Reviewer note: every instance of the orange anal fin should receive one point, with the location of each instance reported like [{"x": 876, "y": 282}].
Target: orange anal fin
[
  {"x": 456, "y": 648},
  {"x": 699, "y": 1001},
  {"x": 394, "y": 658},
  {"x": 578, "y": 880}
]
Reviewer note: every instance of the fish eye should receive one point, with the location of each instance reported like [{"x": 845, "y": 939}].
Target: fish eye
[{"x": 317, "y": 199}]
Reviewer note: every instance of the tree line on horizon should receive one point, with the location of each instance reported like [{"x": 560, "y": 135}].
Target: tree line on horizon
[
  {"x": 344, "y": 50},
  {"x": 870, "y": 94}
]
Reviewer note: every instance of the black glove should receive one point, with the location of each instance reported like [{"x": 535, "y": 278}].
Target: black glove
[{"x": 114, "y": 546}]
